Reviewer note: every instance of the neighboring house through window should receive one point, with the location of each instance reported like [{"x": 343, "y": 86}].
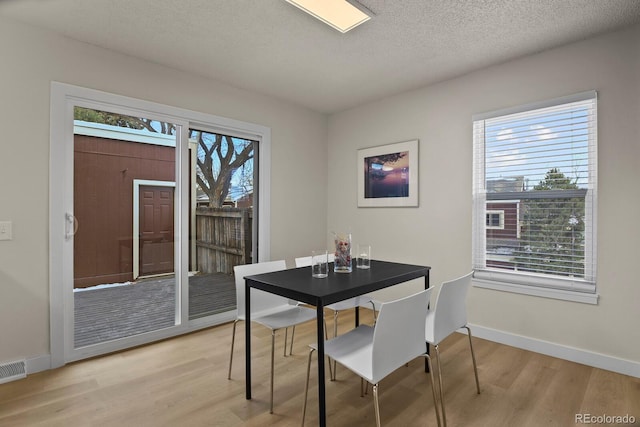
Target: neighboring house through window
[{"x": 535, "y": 198}]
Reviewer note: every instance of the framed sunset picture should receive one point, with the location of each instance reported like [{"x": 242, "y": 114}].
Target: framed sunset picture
[{"x": 388, "y": 175}]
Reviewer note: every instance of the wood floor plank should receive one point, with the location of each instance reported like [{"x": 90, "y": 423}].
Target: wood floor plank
[{"x": 183, "y": 381}]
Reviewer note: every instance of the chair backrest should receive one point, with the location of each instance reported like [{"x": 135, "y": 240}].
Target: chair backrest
[
  {"x": 399, "y": 333},
  {"x": 260, "y": 301},
  {"x": 450, "y": 309},
  {"x": 305, "y": 261}
]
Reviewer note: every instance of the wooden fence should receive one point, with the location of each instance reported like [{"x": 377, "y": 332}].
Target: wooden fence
[{"x": 223, "y": 238}]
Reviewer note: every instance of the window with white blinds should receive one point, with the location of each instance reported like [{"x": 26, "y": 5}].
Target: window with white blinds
[{"x": 535, "y": 195}]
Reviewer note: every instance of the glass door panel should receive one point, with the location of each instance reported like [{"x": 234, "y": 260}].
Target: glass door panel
[
  {"x": 222, "y": 226},
  {"x": 124, "y": 208}
]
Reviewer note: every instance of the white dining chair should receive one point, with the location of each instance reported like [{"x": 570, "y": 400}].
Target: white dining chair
[
  {"x": 269, "y": 310},
  {"x": 359, "y": 301},
  {"x": 373, "y": 352},
  {"x": 449, "y": 314}
]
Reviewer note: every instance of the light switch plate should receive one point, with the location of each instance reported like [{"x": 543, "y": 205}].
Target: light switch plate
[{"x": 5, "y": 230}]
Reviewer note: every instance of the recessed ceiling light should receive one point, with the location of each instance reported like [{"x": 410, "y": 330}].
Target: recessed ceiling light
[{"x": 342, "y": 15}]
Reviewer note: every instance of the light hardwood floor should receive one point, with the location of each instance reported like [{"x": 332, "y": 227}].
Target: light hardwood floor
[{"x": 183, "y": 382}]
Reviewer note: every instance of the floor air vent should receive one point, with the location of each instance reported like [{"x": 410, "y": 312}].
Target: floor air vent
[{"x": 12, "y": 371}]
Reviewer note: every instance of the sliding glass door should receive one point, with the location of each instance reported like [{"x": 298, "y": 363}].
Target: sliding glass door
[{"x": 151, "y": 206}]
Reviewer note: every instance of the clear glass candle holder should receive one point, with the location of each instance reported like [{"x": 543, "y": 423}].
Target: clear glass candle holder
[
  {"x": 320, "y": 264},
  {"x": 363, "y": 256}
]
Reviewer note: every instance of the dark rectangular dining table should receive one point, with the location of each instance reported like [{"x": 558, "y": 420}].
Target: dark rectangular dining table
[{"x": 297, "y": 284}]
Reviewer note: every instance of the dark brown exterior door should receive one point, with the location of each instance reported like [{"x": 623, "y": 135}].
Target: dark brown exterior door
[{"x": 156, "y": 230}]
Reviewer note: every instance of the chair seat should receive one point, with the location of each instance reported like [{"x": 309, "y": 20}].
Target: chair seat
[
  {"x": 363, "y": 300},
  {"x": 285, "y": 318},
  {"x": 353, "y": 350}
]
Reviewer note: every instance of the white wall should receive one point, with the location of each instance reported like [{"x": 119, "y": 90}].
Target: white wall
[
  {"x": 438, "y": 232},
  {"x": 31, "y": 59}
]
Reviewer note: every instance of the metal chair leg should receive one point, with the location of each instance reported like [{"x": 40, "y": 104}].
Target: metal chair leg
[
  {"x": 444, "y": 415},
  {"x": 233, "y": 340},
  {"x": 433, "y": 388},
  {"x": 335, "y": 334},
  {"x": 293, "y": 333},
  {"x": 306, "y": 387},
  {"x": 273, "y": 351},
  {"x": 473, "y": 358},
  {"x": 286, "y": 332},
  {"x": 326, "y": 337},
  {"x": 375, "y": 403},
  {"x": 375, "y": 319}
]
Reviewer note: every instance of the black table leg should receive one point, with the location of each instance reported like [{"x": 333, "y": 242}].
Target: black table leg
[
  {"x": 426, "y": 286},
  {"x": 247, "y": 340},
  {"x": 322, "y": 412}
]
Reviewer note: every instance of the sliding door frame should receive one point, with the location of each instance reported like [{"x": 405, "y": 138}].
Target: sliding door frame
[{"x": 64, "y": 98}]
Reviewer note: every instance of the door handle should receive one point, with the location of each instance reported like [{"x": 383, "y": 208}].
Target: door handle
[{"x": 71, "y": 225}]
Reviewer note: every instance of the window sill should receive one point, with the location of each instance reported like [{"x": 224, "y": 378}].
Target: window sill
[{"x": 560, "y": 294}]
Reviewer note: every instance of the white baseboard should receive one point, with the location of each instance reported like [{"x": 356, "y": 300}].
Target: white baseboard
[
  {"x": 38, "y": 363},
  {"x": 596, "y": 360}
]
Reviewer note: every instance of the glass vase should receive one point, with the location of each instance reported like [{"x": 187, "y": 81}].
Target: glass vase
[{"x": 342, "y": 261}]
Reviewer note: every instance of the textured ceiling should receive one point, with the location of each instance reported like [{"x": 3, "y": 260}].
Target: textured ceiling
[{"x": 271, "y": 47}]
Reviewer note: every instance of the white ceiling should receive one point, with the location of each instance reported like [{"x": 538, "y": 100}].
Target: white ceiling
[{"x": 271, "y": 47}]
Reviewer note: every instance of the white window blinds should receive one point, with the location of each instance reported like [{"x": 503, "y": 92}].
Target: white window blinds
[{"x": 536, "y": 166}]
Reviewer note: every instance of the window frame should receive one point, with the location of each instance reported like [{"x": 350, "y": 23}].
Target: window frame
[
  {"x": 536, "y": 284},
  {"x": 493, "y": 213}
]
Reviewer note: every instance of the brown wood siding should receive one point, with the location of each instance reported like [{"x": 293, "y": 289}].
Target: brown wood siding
[
  {"x": 510, "y": 230},
  {"x": 103, "y": 203}
]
